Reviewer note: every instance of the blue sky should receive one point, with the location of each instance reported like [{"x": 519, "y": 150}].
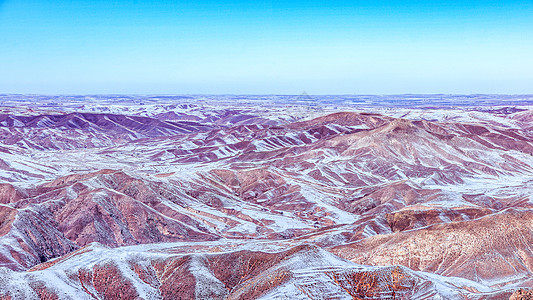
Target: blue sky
[{"x": 264, "y": 47}]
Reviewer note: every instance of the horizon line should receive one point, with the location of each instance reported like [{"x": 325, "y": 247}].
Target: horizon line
[{"x": 266, "y": 94}]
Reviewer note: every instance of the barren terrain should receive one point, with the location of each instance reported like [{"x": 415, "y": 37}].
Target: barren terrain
[{"x": 266, "y": 197}]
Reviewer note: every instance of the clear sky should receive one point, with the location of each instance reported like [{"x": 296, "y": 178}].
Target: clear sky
[{"x": 266, "y": 47}]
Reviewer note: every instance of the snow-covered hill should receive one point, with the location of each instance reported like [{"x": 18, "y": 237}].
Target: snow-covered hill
[{"x": 263, "y": 197}]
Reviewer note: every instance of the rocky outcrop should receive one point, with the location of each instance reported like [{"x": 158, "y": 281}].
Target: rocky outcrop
[
  {"x": 490, "y": 249},
  {"x": 522, "y": 294}
]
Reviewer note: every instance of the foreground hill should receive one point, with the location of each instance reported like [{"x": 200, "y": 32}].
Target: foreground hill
[{"x": 301, "y": 272}]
